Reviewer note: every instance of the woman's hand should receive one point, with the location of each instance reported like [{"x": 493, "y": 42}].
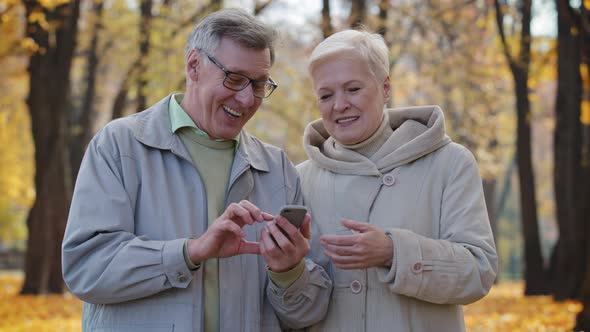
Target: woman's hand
[{"x": 367, "y": 247}]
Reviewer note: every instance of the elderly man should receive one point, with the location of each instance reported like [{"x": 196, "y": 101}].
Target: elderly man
[{"x": 171, "y": 226}]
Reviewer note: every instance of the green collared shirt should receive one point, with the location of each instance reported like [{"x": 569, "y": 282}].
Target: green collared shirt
[
  {"x": 179, "y": 119},
  {"x": 213, "y": 159}
]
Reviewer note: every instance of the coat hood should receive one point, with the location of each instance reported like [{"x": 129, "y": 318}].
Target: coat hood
[{"x": 417, "y": 131}]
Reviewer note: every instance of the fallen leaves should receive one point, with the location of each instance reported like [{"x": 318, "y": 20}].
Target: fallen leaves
[
  {"x": 43, "y": 313},
  {"x": 504, "y": 309}
]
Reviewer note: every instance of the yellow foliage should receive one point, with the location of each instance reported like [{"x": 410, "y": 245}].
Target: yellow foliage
[
  {"x": 29, "y": 45},
  {"x": 584, "y": 75},
  {"x": 504, "y": 309},
  {"x": 52, "y": 4},
  {"x": 6, "y": 3},
  {"x": 6, "y": 19},
  {"x": 39, "y": 18},
  {"x": 36, "y": 313},
  {"x": 585, "y": 113},
  {"x": 16, "y": 152}
]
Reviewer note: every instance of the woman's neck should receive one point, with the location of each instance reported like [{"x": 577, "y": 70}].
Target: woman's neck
[{"x": 369, "y": 146}]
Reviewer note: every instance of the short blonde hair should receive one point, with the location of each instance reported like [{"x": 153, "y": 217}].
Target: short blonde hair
[{"x": 369, "y": 46}]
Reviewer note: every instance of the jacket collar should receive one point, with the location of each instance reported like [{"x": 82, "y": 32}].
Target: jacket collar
[
  {"x": 417, "y": 131},
  {"x": 153, "y": 128}
]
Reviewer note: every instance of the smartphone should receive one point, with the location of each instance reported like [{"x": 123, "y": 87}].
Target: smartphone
[{"x": 294, "y": 213}]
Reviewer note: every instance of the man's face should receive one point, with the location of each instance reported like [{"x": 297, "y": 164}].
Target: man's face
[{"x": 217, "y": 110}]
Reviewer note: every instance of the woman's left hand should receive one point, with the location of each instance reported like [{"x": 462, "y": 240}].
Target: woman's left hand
[{"x": 367, "y": 247}]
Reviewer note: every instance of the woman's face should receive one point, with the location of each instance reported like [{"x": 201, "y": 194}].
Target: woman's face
[{"x": 350, "y": 98}]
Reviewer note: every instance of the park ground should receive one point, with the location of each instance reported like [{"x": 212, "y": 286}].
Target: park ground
[{"x": 504, "y": 309}]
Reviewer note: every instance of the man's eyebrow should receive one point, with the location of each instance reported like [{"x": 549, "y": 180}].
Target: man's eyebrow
[{"x": 263, "y": 77}]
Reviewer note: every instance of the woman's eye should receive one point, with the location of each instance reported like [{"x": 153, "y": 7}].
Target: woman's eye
[
  {"x": 354, "y": 89},
  {"x": 325, "y": 97}
]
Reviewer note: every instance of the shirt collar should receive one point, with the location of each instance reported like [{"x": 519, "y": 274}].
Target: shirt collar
[{"x": 180, "y": 119}]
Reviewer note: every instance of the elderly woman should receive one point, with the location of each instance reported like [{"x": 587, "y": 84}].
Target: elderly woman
[{"x": 400, "y": 218}]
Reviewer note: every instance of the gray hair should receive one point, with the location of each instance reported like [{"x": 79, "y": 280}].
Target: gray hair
[
  {"x": 235, "y": 24},
  {"x": 369, "y": 46}
]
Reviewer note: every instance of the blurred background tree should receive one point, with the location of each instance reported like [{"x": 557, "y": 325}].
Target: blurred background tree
[{"x": 515, "y": 92}]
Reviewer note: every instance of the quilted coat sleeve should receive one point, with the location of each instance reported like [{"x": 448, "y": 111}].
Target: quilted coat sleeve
[
  {"x": 103, "y": 261},
  {"x": 460, "y": 266}
]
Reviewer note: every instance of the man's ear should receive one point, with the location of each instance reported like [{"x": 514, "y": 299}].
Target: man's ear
[
  {"x": 192, "y": 65},
  {"x": 387, "y": 88}
]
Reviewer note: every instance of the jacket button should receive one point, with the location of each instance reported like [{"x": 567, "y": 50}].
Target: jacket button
[
  {"x": 181, "y": 278},
  {"x": 417, "y": 268},
  {"x": 356, "y": 286},
  {"x": 388, "y": 180}
]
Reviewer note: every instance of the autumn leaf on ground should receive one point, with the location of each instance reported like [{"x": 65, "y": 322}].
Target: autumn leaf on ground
[{"x": 504, "y": 309}]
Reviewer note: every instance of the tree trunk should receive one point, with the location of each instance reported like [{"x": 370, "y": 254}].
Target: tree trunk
[
  {"x": 567, "y": 258},
  {"x": 489, "y": 193},
  {"x": 583, "y": 318},
  {"x": 358, "y": 13},
  {"x": 81, "y": 131},
  {"x": 326, "y": 25},
  {"x": 145, "y": 28},
  {"x": 120, "y": 102},
  {"x": 49, "y": 87},
  {"x": 384, "y": 6},
  {"x": 534, "y": 273},
  {"x": 534, "y": 270}
]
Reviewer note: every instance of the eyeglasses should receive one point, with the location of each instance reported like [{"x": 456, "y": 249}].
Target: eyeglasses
[{"x": 238, "y": 82}]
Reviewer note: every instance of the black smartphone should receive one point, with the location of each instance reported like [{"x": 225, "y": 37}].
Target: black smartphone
[{"x": 294, "y": 213}]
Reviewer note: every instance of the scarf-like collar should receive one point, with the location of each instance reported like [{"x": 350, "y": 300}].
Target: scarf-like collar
[{"x": 417, "y": 131}]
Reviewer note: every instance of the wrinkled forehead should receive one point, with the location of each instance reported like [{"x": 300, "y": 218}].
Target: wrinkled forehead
[
  {"x": 340, "y": 66},
  {"x": 252, "y": 62}
]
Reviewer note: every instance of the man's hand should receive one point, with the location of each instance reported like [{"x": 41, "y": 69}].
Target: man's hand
[
  {"x": 367, "y": 247},
  {"x": 225, "y": 237},
  {"x": 283, "y": 248}
]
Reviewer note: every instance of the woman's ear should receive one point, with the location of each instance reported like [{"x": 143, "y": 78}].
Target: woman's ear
[
  {"x": 192, "y": 65},
  {"x": 387, "y": 88}
]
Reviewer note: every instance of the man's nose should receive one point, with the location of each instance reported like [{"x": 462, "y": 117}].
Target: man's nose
[{"x": 246, "y": 96}]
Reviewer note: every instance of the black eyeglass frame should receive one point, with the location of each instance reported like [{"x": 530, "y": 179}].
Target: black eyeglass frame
[{"x": 270, "y": 83}]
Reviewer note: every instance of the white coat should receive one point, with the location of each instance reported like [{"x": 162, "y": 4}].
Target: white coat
[{"x": 426, "y": 194}]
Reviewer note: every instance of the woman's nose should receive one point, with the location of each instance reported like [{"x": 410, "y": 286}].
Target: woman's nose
[{"x": 340, "y": 103}]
